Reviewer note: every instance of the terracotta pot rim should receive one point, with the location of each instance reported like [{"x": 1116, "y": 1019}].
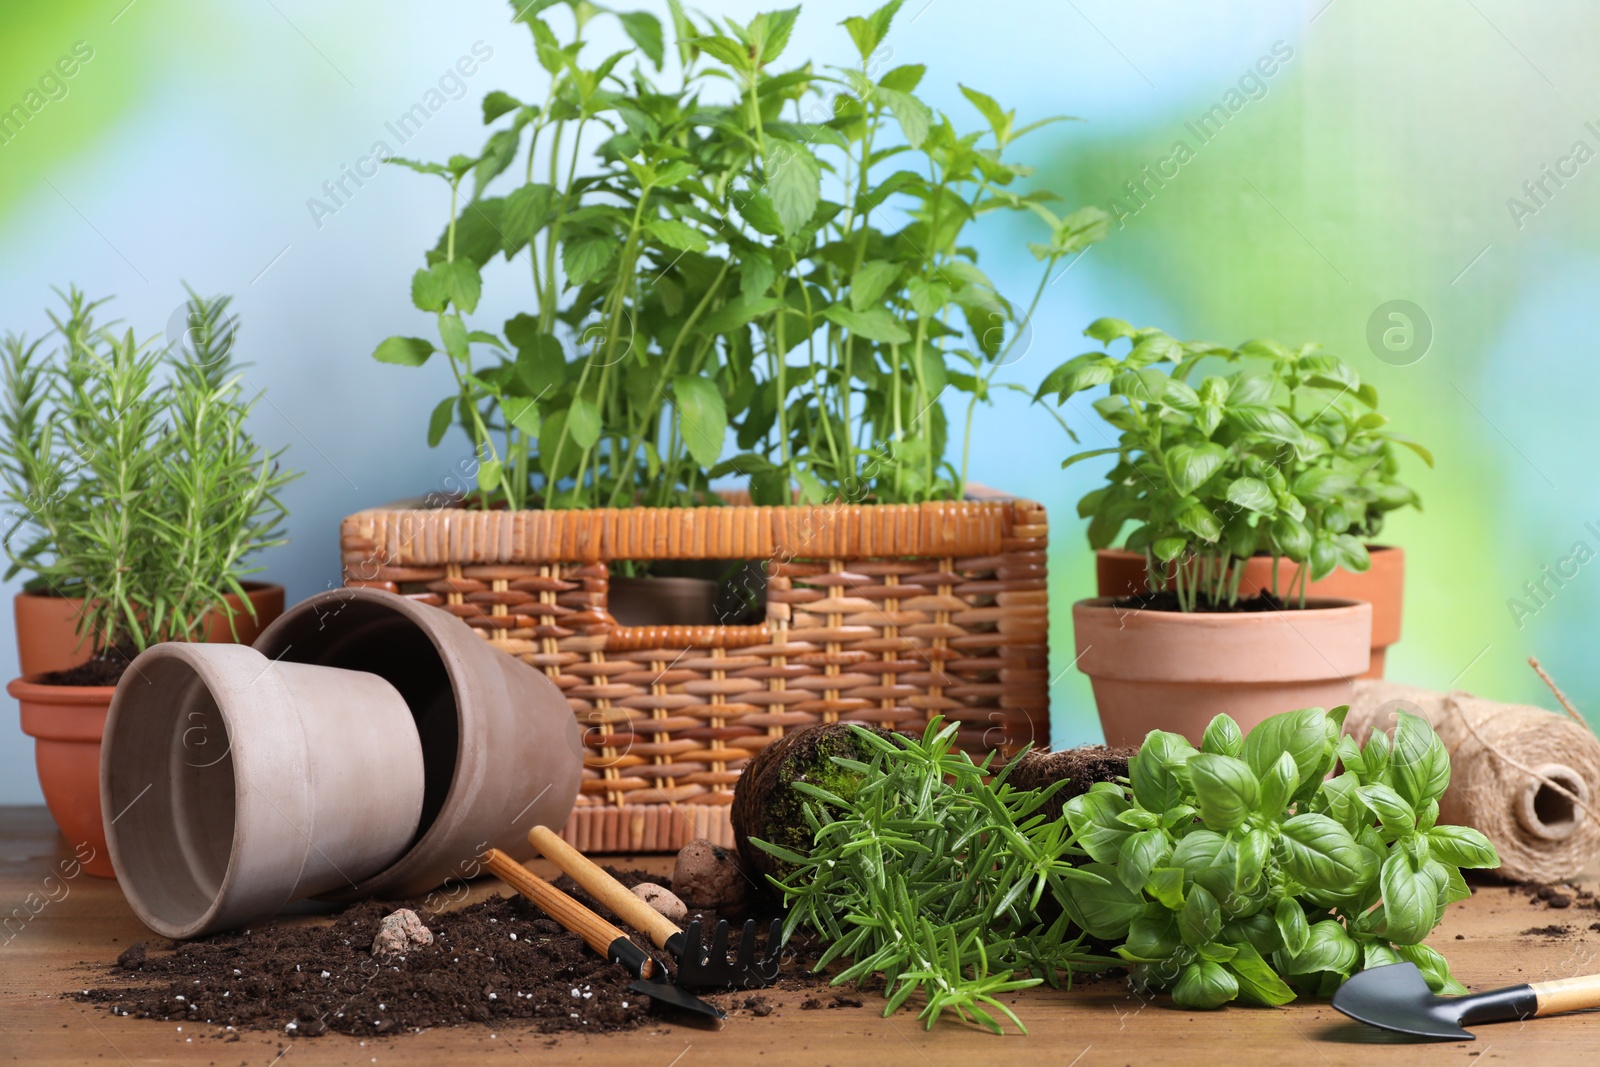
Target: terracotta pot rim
[
  {"x": 28, "y": 687},
  {"x": 1321, "y": 606},
  {"x": 1370, "y": 547},
  {"x": 249, "y": 588}
]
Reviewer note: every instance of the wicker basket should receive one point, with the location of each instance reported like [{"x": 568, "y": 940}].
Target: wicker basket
[{"x": 876, "y": 613}]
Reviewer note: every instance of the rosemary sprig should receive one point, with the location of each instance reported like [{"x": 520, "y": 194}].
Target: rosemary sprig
[{"x": 932, "y": 876}]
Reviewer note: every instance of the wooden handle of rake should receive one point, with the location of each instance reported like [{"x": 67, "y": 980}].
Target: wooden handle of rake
[
  {"x": 595, "y": 931},
  {"x": 604, "y": 888}
]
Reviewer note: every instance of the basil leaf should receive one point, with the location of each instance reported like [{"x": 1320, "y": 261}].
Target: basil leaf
[
  {"x": 1391, "y": 809},
  {"x": 1292, "y": 927},
  {"x": 1302, "y": 734},
  {"x": 1166, "y": 885},
  {"x": 1434, "y": 968},
  {"x": 1410, "y": 900},
  {"x": 1142, "y": 853},
  {"x": 1223, "y": 737},
  {"x": 1250, "y": 863},
  {"x": 1461, "y": 846},
  {"x": 1327, "y": 948},
  {"x": 1278, "y": 785},
  {"x": 1153, "y": 771},
  {"x": 1420, "y": 764},
  {"x": 1225, "y": 788},
  {"x": 1201, "y": 918},
  {"x": 1103, "y": 911},
  {"x": 1093, "y": 819},
  {"x": 1204, "y": 985},
  {"x": 1258, "y": 982},
  {"x": 1151, "y": 938},
  {"x": 1319, "y": 853}
]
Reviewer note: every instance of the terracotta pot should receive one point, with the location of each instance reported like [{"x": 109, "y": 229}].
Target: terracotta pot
[
  {"x": 232, "y": 785},
  {"x": 1175, "y": 671},
  {"x": 66, "y": 723},
  {"x": 502, "y": 751},
  {"x": 1120, "y": 573},
  {"x": 47, "y": 626},
  {"x": 662, "y": 601}
]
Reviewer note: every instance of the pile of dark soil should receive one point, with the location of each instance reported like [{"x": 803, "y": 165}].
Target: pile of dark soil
[
  {"x": 498, "y": 961},
  {"x": 105, "y": 669},
  {"x": 1168, "y": 601}
]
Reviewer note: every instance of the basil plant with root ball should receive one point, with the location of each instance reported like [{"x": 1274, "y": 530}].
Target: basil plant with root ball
[
  {"x": 1285, "y": 456},
  {"x": 1241, "y": 871}
]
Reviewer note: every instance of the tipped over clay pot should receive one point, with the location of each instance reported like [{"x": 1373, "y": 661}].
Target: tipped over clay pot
[
  {"x": 502, "y": 751},
  {"x": 1174, "y": 670},
  {"x": 231, "y": 785}
]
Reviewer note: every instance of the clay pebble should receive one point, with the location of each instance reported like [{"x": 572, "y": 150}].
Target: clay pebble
[
  {"x": 712, "y": 877},
  {"x": 400, "y": 932},
  {"x": 662, "y": 900}
]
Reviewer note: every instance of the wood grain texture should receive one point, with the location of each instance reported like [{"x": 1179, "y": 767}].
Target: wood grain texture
[
  {"x": 604, "y": 888},
  {"x": 1568, "y": 994},
  {"x": 70, "y": 941}
]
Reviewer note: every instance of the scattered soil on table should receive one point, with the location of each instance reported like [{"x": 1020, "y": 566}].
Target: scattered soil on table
[
  {"x": 102, "y": 670},
  {"x": 1553, "y": 931},
  {"x": 1567, "y": 895},
  {"x": 498, "y": 961},
  {"x": 1168, "y": 601},
  {"x": 1082, "y": 767}
]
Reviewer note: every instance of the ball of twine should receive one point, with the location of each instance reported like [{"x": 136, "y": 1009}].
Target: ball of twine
[{"x": 1527, "y": 778}]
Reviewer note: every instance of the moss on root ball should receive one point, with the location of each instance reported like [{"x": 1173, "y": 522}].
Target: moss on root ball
[{"x": 766, "y": 806}]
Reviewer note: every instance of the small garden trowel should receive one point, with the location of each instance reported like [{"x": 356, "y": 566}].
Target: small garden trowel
[{"x": 1396, "y": 997}]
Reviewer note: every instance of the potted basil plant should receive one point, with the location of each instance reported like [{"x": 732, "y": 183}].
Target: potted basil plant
[
  {"x": 1241, "y": 490},
  {"x": 1356, "y": 499},
  {"x": 137, "y": 498}
]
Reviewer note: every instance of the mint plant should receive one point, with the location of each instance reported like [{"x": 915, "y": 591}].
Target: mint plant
[
  {"x": 780, "y": 251},
  {"x": 932, "y": 874},
  {"x": 1285, "y": 456},
  {"x": 1241, "y": 871}
]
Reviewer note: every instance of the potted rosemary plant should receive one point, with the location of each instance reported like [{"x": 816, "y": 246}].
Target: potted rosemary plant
[
  {"x": 751, "y": 303},
  {"x": 137, "y": 497},
  {"x": 1273, "y": 462}
]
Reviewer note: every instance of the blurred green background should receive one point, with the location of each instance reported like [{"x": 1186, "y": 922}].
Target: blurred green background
[{"x": 1336, "y": 158}]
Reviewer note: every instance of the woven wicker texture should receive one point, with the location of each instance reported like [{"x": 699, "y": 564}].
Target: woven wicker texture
[{"x": 878, "y": 614}]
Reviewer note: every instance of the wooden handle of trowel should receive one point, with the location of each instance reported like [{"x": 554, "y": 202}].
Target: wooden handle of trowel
[
  {"x": 1567, "y": 994},
  {"x": 604, "y": 888},
  {"x": 595, "y": 931}
]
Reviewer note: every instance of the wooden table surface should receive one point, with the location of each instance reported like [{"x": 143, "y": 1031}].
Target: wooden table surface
[{"x": 72, "y": 938}]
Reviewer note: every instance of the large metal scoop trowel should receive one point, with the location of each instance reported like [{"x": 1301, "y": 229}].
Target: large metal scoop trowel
[
  {"x": 1396, "y": 997},
  {"x": 598, "y": 934}
]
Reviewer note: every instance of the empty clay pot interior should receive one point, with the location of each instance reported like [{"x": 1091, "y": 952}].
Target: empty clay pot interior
[
  {"x": 180, "y": 825},
  {"x": 361, "y": 635}
]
